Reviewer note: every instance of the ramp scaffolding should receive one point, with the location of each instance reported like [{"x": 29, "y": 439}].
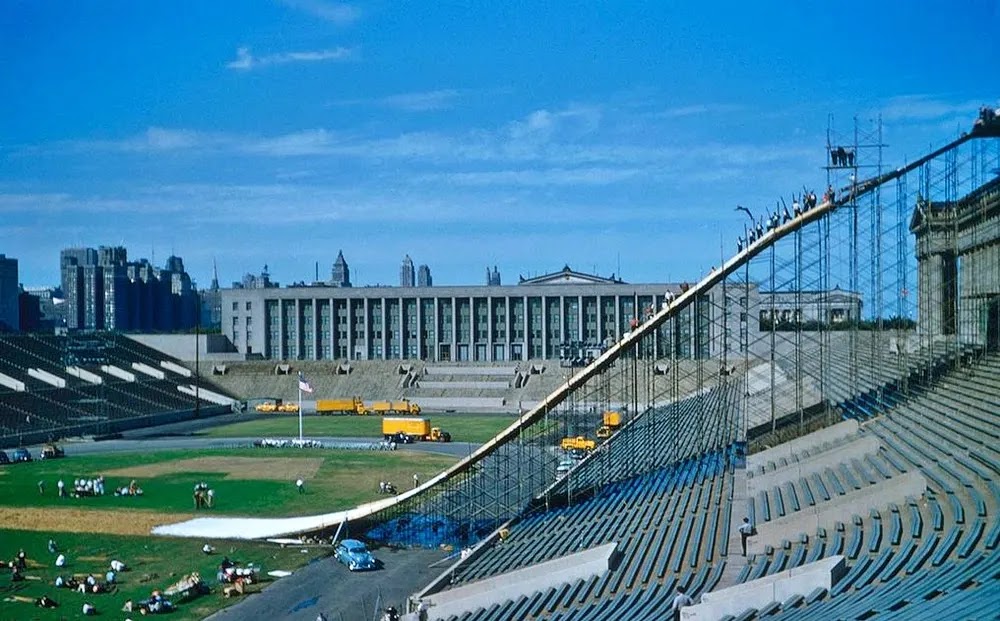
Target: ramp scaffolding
[
  {"x": 837, "y": 308},
  {"x": 831, "y": 312}
]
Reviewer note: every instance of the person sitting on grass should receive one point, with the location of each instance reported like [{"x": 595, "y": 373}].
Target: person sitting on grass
[
  {"x": 89, "y": 610},
  {"x": 118, "y": 566},
  {"x": 208, "y": 549},
  {"x": 46, "y": 602}
]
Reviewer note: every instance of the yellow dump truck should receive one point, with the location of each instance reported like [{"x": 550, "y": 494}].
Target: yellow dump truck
[
  {"x": 395, "y": 407},
  {"x": 350, "y": 405},
  {"x": 611, "y": 422},
  {"x": 406, "y": 430},
  {"x": 579, "y": 442},
  {"x": 266, "y": 408},
  {"x": 289, "y": 408}
]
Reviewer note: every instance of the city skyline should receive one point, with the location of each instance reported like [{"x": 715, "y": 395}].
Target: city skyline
[{"x": 629, "y": 134}]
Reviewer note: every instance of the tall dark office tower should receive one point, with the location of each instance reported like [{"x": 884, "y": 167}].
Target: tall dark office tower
[
  {"x": 406, "y": 274},
  {"x": 424, "y": 278},
  {"x": 340, "y": 275}
]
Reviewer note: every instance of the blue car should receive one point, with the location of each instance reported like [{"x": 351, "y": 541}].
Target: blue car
[
  {"x": 355, "y": 555},
  {"x": 20, "y": 454}
]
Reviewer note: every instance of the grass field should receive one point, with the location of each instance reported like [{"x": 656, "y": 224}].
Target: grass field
[
  {"x": 154, "y": 563},
  {"x": 257, "y": 482},
  {"x": 92, "y": 531},
  {"x": 463, "y": 428}
]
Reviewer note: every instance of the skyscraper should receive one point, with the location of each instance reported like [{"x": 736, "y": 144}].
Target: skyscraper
[
  {"x": 9, "y": 291},
  {"x": 211, "y": 302},
  {"x": 71, "y": 264},
  {"x": 340, "y": 275},
  {"x": 104, "y": 291},
  {"x": 406, "y": 275},
  {"x": 492, "y": 278},
  {"x": 424, "y": 276}
]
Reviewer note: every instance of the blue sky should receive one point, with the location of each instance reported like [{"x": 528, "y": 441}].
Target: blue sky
[{"x": 465, "y": 134}]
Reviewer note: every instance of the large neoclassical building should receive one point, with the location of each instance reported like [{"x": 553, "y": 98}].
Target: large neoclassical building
[
  {"x": 958, "y": 255},
  {"x": 565, "y": 314}
]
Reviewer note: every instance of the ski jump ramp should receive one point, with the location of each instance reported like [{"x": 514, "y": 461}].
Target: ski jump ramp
[{"x": 263, "y": 528}]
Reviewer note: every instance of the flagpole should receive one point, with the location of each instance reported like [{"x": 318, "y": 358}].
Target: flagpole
[{"x": 300, "y": 411}]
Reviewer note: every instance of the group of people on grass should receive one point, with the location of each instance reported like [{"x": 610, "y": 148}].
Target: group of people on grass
[
  {"x": 17, "y": 565},
  {"x": 154, "y": 604},
  {"x": 85, "y": 585},
  {"x": 233, "y": 576},
  {"x": 204, "y": 496},
  {"x": 87, "y": 487}
]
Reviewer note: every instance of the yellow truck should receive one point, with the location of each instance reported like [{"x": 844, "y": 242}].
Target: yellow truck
[
  {"x": 289, "y": 408},
  {"x": 266, "y": 408},
  {"x": 407, "y": 430},
  {"x": 350, "y": 405},
  {"x": 579, "y": 442},
  {"x": 395, "y": 407},
  {"x": 611, "y": 422}
]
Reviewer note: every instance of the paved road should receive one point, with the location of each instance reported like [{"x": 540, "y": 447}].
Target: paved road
[
  {"x": 326, "y": 586},
  {"x": 178, "y": 442}
]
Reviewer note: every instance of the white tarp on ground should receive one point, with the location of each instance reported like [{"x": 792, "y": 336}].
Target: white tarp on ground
[
  {"x": 263, "y": 528},
  {"x": 249, "y": 528}
]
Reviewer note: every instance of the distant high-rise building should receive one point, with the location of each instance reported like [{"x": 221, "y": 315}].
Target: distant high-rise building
[
  {"x": 10, "y": 291},
  {"x": 492, "y": 278},
  {"x": 424, "y": 276},
  {"x": 406, "y": 274},
  {"x": 31, "y": 312},
  {"x": 71, "y": 264},
  {"x": 211, "y": 303},
  {"x": 112, "y": 255},
  {"x": 104, "y": 291},
  {"x": 77, "y": 256},
  {"x": 256, "y": 281},
  {"x": 44, "y": 300},
  {"x": 340, "y": 275}
]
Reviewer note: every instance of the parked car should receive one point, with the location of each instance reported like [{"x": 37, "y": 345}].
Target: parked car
[
  {"x": 20, "y": 454},
  {"x": 3, "y": 458},
  {"x": 355, "y": 555},
  {"x": 50, "y": 451}
]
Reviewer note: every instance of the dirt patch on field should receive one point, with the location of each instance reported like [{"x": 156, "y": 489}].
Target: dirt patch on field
[
  {"x": 87, "y": 521},
  {"x": 271, "y": 468}
]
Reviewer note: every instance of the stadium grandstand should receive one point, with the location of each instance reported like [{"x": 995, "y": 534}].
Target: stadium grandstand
[
  {"x": 863, "y": 451},
  {"x": 94, "y": 384}
]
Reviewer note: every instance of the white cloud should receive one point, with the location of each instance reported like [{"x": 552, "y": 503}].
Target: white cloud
[
  {"x": 544, "y": 125},
  {"x": 422, "y": 101},
  {"x": 339, "y": 13},
  {"x": 246, "y": 61},
  {"x": 535, "y": 178},
  {"x": 696, "y": 110},
  {"x": 927, "y": 108},
  {"x": 308, "y": 142}
]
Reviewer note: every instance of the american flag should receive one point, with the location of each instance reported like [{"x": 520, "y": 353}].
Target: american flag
[{"x": 304, "y": 384}]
